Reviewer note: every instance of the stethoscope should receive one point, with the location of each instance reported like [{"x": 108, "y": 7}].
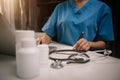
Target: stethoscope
[
  {"x": 71, "y": 58},
  {"x": 76, "y": 57}
]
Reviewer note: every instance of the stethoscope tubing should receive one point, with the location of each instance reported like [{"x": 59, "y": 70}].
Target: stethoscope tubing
[{"x": 68, "y": 58}]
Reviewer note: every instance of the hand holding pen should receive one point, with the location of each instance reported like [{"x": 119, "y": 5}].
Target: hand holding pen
[
  {"x": 81, "y": 44},
  {"x": 45, "y": 39}
]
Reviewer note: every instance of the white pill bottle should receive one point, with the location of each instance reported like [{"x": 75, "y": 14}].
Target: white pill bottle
[{"x": 27, "y": 59}]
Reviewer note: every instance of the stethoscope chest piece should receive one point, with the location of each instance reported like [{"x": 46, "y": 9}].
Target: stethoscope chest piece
[{"x": 57, "y": 64}]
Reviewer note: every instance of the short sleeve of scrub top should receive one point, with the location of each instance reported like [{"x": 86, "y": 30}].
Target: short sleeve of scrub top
[{"x": 67, "y": 22}]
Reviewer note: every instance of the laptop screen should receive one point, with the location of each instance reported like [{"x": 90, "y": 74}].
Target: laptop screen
[{"x": 7, "y": 37}]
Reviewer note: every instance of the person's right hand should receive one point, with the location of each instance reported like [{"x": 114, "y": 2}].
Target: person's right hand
[
  {"x": 82, "y": 44},
  {"x": 45, "y": 39}
]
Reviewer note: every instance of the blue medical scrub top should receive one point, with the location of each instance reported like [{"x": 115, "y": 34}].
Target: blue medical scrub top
[{"x": 67, "y": 22}]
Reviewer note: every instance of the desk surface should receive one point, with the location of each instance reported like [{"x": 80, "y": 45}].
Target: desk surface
[{"x": 101, "y": 68}]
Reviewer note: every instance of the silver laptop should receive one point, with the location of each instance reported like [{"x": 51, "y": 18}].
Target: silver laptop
[{"x": 7, "y": 37}]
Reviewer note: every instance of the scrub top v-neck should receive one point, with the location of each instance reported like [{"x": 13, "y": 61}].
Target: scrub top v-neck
[{"x": 67, "y": 22}]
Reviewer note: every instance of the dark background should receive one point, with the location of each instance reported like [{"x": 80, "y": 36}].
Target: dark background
[
  {"x": 115, "y": 7},
  {"x": 47, "y": 6}
]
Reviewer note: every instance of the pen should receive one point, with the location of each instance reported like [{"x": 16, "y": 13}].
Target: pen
[{"x": 81, "y": 35}]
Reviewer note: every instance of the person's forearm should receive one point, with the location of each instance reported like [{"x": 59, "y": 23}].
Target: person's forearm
[{"x": 97, "y": 45}]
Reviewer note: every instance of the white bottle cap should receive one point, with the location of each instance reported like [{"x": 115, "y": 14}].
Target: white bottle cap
[
  {"x": 28, "y": 42},
  {"x": 24, "y": 34},
  {"x": 42, "y": 45}
]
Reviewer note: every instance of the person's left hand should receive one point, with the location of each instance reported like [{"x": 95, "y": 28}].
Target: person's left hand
[{"x": 82, "y": 44}]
